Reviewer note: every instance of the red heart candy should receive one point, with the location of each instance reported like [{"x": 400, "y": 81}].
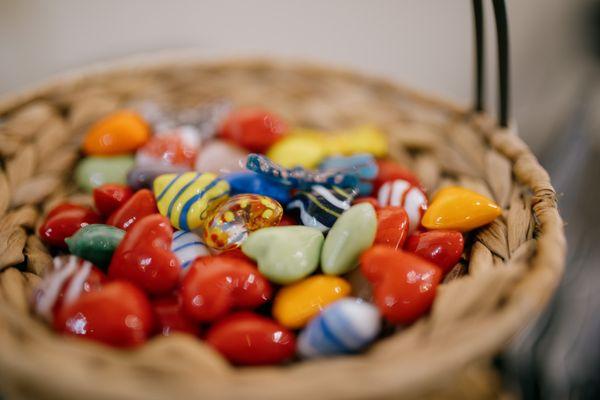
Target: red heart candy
[
  {"x": 144, "y": 256},
  {"x": 443, "y": 248},
  {"x": 141, "y": 204},
  {"x": 69, "y": 278},
  {"x": 392, "y": 226},
  {"x": 404, "y": 284},
  {"x": 215, "y": 285},
  {"x": 253, "y": 128},
  {"x": 64, "y": 221},
  {"x": 389, "y": 170},
  {"x": 170, "y": 317},
  {"x": 245, "y": 338},
  {"x": 110, "y": 197},
  {"x": 119, "y": 315}
]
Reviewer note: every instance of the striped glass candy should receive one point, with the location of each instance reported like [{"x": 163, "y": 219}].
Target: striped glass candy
[
  {"x": 321, "y": 207},
  {"x": 346, "y": 326},
  {"x": 187, "y": 199},
  {"x": 188, "y": 246}
]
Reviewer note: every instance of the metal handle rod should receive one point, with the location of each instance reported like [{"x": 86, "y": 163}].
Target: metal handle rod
[{"x": 503, "y": 59}]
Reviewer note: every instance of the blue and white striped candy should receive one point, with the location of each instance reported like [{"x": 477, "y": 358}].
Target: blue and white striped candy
[
  {"x": 346, "y": 326},
  {"x": 188, "y": 246},
  {"x": 362, "y": 165}
]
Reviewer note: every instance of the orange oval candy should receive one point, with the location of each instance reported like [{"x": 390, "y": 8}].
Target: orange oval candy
[{"x": 120, "y": 132}]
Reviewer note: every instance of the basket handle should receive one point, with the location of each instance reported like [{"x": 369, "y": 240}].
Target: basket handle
[{"x": 503, "y": 59}]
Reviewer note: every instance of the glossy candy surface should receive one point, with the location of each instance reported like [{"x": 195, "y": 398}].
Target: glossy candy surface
[
  {"x": 320, "y": 207},
  {"x": 189, "y": 199},
  {"x": 65, "y": 220},
  {"x": 296, "y": 304},
  {"x": 110, "y": 197},
  {"x": 92, "y": 172},
  {"x": 362, "y": 139},
  {"x": 188, "y": 246},
  {"x": 351, "y": 234},
  {"x": 119, "y": 315},
  {"x": 285, "y": 254},
  {"x": 68, "y": 279},
  {"x": 388, "y": 171},
  {"x": 298, "y": 177},
  {"x": 300, "y": 148},
  {"x": 362, "y": 165},
  {"x": 392, "y": 226},
  {"x": 218, "y": 156},
  {"x": 241, "y": 214},
  {"x": 118, "y": 133},
  {"x": 253, "y": 128},
  {"x": 171, "y": 149},
  {"x": 404, "y": 284},
  {"x": 170, "y": 318},
  {"x": 245, "y": 338},
  {"x": 443, "y": 248},
  {"x": 140, "y": 205},
  {"x": 343, "y": 327},
  {"x": 401, "y": 193},
  {"x": 216, "y": 285},
  {"x": 144, "y": 256},
  {"x": 251, "y": 182},
  {"x": 95, "y": 243},
  {"x": 460, "y": 209}
]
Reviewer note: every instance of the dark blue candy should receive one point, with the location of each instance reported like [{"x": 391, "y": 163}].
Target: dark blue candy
[
  {"x": 251, "y": 182},
  {"x": 298, "y": 177}
]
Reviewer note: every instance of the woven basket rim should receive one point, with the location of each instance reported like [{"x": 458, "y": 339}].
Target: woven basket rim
[{"x": 361, "y": 380}]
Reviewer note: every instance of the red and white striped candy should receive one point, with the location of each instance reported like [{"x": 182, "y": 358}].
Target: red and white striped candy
[
  {"x": 69, "y": 277},
  {"x": 401, "y": 193}
]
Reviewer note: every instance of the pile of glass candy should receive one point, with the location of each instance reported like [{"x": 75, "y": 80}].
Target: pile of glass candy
[{"x": 247, "y": 237}]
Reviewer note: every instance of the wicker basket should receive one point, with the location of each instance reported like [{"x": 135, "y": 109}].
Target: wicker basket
[{"x": 509, "y": 271}]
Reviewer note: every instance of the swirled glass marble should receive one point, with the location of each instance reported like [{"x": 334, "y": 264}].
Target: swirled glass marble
[{"x": 229, "y": 226}]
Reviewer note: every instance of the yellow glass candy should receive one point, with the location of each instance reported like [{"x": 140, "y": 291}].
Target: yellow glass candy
[
  {"x": 303, "y": 148},
  {"x": 231, "y": 223},
  {"x": 296, "y": 304},
  {"x": 307, "y": 148},
  {"x": 363, "y": 139},
  {"x": 459, "y": 209},
  {"x": 188, "y": 199}
]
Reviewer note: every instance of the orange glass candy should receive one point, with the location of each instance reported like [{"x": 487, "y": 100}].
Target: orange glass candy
[
  {"x": 118, "y": 133},
  {"x": 231, "y": 223}
]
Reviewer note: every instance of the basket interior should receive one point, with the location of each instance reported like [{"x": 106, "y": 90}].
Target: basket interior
[{"x": 507, "y": 273}]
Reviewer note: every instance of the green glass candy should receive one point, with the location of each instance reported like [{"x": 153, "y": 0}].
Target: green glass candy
[
  {"x": 95, "y": 243},
  {"x": 353, "y": 232},
  {"x": 95, "y": 171},
  {"x": 285, "y": 254}
]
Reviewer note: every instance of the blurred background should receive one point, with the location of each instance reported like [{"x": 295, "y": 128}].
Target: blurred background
[{"x": 428, "y": 44}]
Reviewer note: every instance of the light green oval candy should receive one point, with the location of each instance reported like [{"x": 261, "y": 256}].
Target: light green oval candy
[
  {"x": 285, "y": 254},
  {"x": 95, "y": 171},
  {"x": 351, "y": 234},
  {"x": 95, "y": 243}
]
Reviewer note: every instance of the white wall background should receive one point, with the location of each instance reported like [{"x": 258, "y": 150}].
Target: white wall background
[{"x": 427, "y": 43}]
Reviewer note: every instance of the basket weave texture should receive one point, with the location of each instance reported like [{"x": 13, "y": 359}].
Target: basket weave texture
[{"x": 509, "y": 270}]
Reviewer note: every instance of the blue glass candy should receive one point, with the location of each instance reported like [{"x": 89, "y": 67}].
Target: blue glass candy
[
  {"x": 362, "y": 165},
  {"x": 343, "y": 327},
  {"x": 251, "y": 182},
  {"x": 320, "y": 207},
  {"x": 298, "y": 177}
]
